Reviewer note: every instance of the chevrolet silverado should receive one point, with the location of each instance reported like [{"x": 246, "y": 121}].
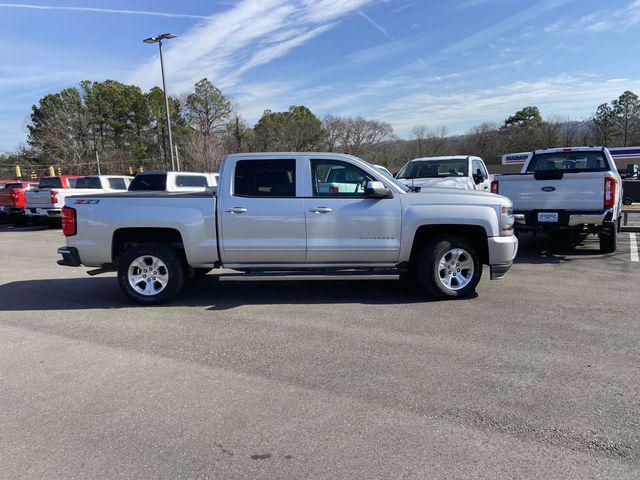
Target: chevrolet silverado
[{"x": 274, "y": 217}]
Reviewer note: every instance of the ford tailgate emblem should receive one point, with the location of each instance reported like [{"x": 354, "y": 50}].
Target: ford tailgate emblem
[{"x": 548, "y": 189}]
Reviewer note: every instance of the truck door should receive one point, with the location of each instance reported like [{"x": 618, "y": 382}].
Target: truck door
[
  {"x": 261, "y": 218},
  {"x": 485, "y": 184},
  {"x": 343, "y": 225}
]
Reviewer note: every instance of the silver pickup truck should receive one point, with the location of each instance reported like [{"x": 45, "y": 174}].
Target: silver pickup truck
[{"x": 278, "y": 216}]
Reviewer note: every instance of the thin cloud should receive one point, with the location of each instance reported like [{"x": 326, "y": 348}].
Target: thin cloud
[
  {"x": 99, "y": 10},
  {"x": 249, "y": 34}
]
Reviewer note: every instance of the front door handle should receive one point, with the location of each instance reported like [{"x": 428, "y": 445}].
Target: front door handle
[
  {"x": 236, "y": 210},
  {"x": 320, "y": 210}
]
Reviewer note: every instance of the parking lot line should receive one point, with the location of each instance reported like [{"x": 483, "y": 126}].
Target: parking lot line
[{"x": 634, "y": 247}]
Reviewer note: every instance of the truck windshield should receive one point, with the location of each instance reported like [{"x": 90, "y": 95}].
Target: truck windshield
[
  {"x": 591, "y": 161},
  {"x": 454, "y": 167}
]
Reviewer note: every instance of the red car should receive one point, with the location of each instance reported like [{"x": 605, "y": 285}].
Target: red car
[{"x": 13, "y": 199}]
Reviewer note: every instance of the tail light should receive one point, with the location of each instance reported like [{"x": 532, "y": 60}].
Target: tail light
[
  {"x": 54, "y": 197},
  {"x": 15, "y": 196},
  {"x": 495, "y": 186},
  {"x": 69, "y": 222},
  {"x": 609, "y": 191}
]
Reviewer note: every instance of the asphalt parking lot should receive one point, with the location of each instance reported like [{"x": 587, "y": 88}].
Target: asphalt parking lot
[{"x": 536, "y": 377}]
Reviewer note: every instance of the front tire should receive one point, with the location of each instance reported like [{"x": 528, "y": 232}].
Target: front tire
[
  {"x": 151, "y": 273},
  {"x": 449, "y": 267}
]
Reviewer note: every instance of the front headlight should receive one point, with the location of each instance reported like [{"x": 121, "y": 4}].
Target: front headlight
[{"x": 506, "y": 220}]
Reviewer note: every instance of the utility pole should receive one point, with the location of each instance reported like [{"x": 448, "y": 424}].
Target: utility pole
[
  {"x": 158, "y": 40},
  {"x": 98, "y": 161},
  {"x": 177, "y": 159}
]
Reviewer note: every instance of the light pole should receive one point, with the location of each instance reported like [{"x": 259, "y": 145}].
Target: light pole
[{"x": 158, "y": 40}]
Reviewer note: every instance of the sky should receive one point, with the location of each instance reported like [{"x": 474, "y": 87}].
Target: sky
[{"x": 453, "y": 63}]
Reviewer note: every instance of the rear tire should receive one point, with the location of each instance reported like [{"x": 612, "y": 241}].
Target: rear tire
[
  {"x": 151, "y": 273},
  {"x": 448, "y": 267},
  {"x": 609, "y": 239}
]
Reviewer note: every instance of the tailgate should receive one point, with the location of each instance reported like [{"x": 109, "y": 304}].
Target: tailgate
[
  {"x": 40, "y": 199},
  {"x": 574, "y": 191}
]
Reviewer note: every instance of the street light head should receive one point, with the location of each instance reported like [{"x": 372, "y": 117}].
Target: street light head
[
  {"x": 150, "y": 40},
  {"x": 168, "y": 36}
]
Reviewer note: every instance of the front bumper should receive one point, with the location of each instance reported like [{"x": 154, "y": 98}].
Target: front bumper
[
  {"x": 70, "y": 257},
  {"x": 502, "y": 252}
]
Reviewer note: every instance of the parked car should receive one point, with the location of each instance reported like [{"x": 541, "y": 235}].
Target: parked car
[
  {"x": 463, "y": 172},
  {"x": 13, "y": 201},
  {"x": 79, "y": 186},
  {"x": 42, "y": 198},
  {"x": 566, "y": 191},
  {"x": 158, "y": 181},
  {"x": 272, "y": 219}
]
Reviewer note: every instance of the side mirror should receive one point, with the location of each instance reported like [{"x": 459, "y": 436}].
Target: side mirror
[
  {"x": 478, "y": 177},
  {"x": 377, "y": 190},
  {"x": 395, "y": 174}
]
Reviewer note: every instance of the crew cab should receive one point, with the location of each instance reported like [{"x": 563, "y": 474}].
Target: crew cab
[
  {"x": 39, "y": 198},
  {"x": 159, "y": 181},
  {"x": 272, "y": 217},
  {"x": 566, "y": 192},
  {"x": 463, "y": 172},
  {"x": 12, "y": 199}
]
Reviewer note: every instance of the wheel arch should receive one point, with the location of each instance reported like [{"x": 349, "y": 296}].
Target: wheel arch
[
  {"x": 476, "y": 233},
  {"x": 128, "y": 237}
]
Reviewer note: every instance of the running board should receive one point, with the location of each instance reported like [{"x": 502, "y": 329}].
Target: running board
[{"x": 288, "y": 276}]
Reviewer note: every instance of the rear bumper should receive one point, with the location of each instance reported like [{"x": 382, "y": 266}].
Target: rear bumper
[
  {"x": 70, "y": 257},
  {"x": 566, "y": 218}
]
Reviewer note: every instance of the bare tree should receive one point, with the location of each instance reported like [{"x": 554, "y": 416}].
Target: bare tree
[{"x": 357, "y": 135}]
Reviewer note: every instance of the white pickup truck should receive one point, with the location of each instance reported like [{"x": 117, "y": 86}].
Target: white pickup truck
[
  {"x": 566, "y": 192},
  {"x": 48, "y": 199},
  {"x": 161, "y": 181},
  {"x": 463, "y": 172},
  {"x": 272, "y": 218}
]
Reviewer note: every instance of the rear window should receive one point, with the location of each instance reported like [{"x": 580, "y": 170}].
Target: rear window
[
  {"x": 568, "y": 162},
  {"x": 156, "y": 182},
  {"x": 265, "y": 178},
  {"x": 88, "y": 182},
  {"x": 191, "y": 181},
  {"x": 117, "y": 183},
  {"x": 50, "y": 183},
  {"x": 13, "y": 185}
]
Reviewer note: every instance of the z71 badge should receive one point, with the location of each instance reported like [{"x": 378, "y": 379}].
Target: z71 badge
[{"x": 85, "y": 202}]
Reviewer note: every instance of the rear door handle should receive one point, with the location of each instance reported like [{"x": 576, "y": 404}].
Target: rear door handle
[
  {"x": 236, "y": 210},
  {"x": 320, "y": 210}
]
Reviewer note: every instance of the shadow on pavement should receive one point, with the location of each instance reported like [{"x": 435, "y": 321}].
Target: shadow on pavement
[
  {"x": 104, "y": 293},
  {"x": 541, "y": 249}
]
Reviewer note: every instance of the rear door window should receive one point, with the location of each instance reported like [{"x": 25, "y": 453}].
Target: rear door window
[
  {"x": 149, "y": 182},
  {"x": 265, "y": 178},
  {"x": 191, "y": 181}
]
